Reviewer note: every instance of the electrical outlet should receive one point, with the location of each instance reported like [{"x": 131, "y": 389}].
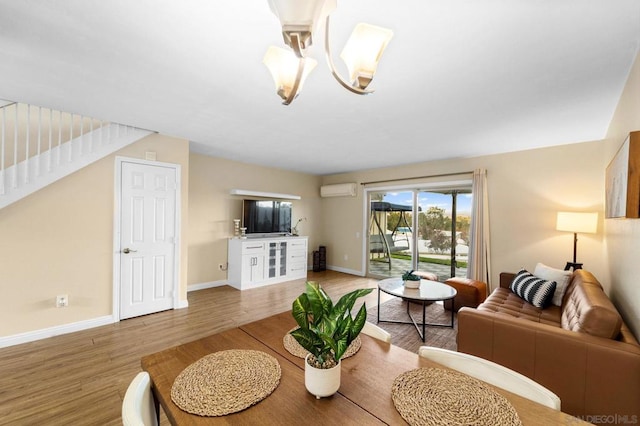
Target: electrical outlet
[
  {"x": 62, "y": 301},
  {"x": 222, "y": 266}
]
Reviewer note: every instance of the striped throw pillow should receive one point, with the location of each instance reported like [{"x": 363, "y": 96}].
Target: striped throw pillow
[{"x": 534, "y": 290}]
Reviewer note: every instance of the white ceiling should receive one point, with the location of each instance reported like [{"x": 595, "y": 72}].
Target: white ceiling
[{"x": 460, "y": 78}]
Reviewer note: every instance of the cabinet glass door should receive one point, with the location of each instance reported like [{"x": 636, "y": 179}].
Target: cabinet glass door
[
  {"x": 273, "y": 259},
  {"x": 277, "y": 259},
  {"x": 283, "y": 258}
]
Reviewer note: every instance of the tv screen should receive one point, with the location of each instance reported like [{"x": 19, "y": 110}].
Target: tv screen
[{"x": 266, "y": 216}]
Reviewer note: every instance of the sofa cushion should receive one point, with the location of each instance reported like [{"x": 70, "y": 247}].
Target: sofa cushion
[
  {"x": 560, "y": 276},
  {"x": 587, "y": 309},
  {"x": 534, "y": 290},
  {"x": 505, "y": 302}
]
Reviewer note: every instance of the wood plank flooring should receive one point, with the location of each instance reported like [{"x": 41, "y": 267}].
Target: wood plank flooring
[{"x": 80, "y": 378}]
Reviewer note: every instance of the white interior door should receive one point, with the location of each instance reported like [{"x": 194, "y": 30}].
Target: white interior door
[{"x": 147, "y": 238}]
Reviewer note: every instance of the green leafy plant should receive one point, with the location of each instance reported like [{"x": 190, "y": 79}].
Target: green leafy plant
[
  {"x": 410, "y": 276},
  {"x": 326, "y": 330}
]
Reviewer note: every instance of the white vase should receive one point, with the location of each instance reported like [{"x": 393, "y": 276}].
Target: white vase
[
  {"x": 411, "y": 284},
  {"x": 321, "y": 382}
]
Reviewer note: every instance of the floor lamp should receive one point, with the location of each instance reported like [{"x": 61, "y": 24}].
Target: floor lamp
[{"x": 585, "y": 223}]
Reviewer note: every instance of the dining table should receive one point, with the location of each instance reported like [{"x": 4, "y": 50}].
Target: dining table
[{"x": 364, "y": 396}]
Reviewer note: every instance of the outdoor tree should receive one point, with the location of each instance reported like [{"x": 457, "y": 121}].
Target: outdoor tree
[
  {"x": 463, "y": 226},
  {"x": 432, "y": 225},
  {"x": 393, "y": 219}
]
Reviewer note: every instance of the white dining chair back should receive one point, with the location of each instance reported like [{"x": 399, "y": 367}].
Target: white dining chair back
[
  {"x": 492, "y": 373},
  {"x": 376, "y": 332},
  {"x": 138, "y": 406}
]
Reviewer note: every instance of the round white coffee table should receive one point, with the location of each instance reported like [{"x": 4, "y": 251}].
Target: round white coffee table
[{"x": 429, "y": 291}]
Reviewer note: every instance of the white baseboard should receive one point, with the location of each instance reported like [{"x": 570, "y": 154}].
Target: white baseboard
[
  {"x": 202, "y": 286},
  {"x": 31, "y": 336},
  {"x": 346, "y": 271},
  {"x": 182, "y": 304}
]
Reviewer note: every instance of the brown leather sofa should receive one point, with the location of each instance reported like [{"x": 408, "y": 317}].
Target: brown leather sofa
[{"x": 582, "y": 350}]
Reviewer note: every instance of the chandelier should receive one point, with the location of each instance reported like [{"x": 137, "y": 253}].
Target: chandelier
[{"x": 290, "y": 67}]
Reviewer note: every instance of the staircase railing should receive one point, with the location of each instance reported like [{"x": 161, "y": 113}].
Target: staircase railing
[{"x": 40, "y": 145}]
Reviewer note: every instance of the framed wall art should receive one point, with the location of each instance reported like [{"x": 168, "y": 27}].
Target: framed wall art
[{"x": 623, "y": 180}]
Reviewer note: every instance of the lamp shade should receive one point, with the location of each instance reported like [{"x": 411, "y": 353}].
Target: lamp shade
[
  {"x": 283, "y": 65},
  {"x": 363, "y": 50},
  {"x": 583, "y": 223}
]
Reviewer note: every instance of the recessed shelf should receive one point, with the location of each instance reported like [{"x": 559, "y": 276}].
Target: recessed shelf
[{"x": 264, "y": 194}]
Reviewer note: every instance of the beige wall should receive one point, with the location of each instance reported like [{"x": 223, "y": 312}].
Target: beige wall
[
  {"x": 623, "y": 235},
  {"x": 212, "y": 208},
  {"x": 60, "y": 241},
  {"x": 526, "y": 189}
]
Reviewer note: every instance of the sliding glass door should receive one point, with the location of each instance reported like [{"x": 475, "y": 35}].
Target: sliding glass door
[
  {"x": 390, "y": 232},
  {"x": 419, "y": 229},
  {"x": 443, "y": 232}
]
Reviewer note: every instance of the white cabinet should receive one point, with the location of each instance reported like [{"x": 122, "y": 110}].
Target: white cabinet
[
  {"x": 247, "y": 264},
  {"x": 297, "y": 259},
  {"x": 263, "y": 261},
  {"x": 253, "y": 267}
]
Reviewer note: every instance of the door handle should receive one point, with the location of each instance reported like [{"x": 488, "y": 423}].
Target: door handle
[{"x": 127, "y": 250}]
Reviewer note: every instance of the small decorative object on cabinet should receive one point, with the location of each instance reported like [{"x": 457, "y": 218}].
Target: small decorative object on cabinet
[
  {"x": 314, "y": 311},
  {"x": 294, "y": 230},
  {"x": 622, "y": 185},
  {"x": 236, "y": 228}
]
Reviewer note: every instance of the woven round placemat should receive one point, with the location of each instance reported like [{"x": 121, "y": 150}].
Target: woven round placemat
[
  {"x": 294, "y": 348},
  {"x": 433, "y": 396},
  {"x": 226, "y": 382}
]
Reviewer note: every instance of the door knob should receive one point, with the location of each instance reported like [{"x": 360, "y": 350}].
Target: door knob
[{"x": 127, "y": 250}]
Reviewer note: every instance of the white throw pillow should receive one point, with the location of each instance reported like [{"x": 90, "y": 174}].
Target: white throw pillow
[{"x": 559, "y": 276}]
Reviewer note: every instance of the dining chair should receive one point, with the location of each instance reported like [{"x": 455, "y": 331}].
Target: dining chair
[
  {"x": 492, "y": 373},
  {"x": 139, "y": 407},
  {"x": 376, "y": 332}
]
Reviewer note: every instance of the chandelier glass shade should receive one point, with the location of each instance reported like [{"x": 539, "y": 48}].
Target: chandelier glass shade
[
  {"x": 299, "y": 20},
  {"x": 363, "y": 51},
  {"x": 288, "y": 71}
]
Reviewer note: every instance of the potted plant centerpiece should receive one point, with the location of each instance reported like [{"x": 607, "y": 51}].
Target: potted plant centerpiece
[
  {"x": 411, "y": 280},
  {"x": 326, "y": 330}
]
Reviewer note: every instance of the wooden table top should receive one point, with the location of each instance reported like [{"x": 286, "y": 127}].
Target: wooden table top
[{"x": 364, "y": 396}]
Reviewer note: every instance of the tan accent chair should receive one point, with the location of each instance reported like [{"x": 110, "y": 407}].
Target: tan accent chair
[{"x": 471, "y": 293}]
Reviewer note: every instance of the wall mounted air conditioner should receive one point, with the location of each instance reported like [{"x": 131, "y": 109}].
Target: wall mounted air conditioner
[{"x": 339, "y": 190}]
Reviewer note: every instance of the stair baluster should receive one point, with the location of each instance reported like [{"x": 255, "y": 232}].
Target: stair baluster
[{"x": 46, "y": 160}]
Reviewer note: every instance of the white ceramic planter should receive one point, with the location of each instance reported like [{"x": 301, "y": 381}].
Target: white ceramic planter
[
  {"x": 412, "y": 284},
  {"x": 321, "y": 382}
]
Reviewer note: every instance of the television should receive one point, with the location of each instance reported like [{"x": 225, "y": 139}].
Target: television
[{"x": 266, "y": 216}]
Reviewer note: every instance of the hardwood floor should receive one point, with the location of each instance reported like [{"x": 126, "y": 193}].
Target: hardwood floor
[{"x": 81, "y": 378}]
